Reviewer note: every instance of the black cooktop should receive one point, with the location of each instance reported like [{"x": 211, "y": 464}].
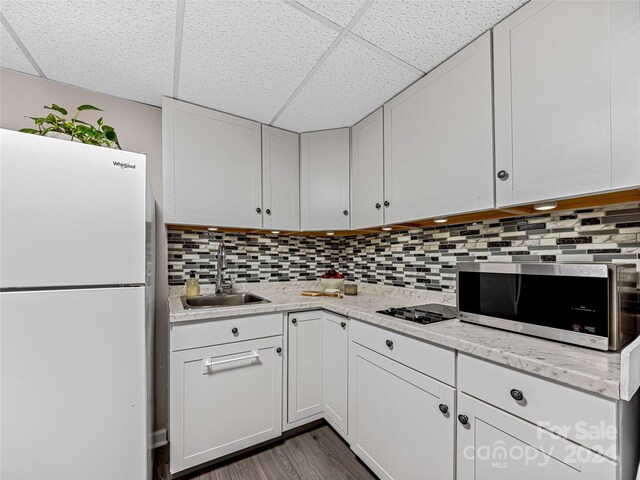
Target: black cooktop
[{"x": 424, "y": 314}]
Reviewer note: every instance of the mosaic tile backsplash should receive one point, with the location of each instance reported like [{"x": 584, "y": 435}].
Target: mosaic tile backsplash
[{"x": 422, "y": 258}]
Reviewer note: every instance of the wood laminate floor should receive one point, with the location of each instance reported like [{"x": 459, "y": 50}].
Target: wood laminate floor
[{"x": 318, "y": 454}]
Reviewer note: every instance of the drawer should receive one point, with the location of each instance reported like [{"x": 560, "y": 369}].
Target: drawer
[
  {"x": 216, "y": 332},
  {"x": 579, "y": 416},
  {"x": 436, "y": 362}
]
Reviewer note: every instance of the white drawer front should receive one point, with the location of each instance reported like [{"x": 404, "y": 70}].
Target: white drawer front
[
  {"x": 584, "y": 418},
  {"x": 217, "y": 332},
  {"x": 436, "y": 362}
]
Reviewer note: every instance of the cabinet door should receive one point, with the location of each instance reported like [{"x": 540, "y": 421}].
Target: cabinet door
[
  {"x": 336, "y": 341},
  {"x": 223, "y": 399},
  {"x": 494, "y": 445},
  {"x": 438, "y": 140},
  {"x": 395, "y": 423},
  {"x": 567, "y": 87},
  {"x": 211, "y": 167},
  {"x": 324, "y": 184},
  {"x": 367, "y": 172},
  {"x": 280, "y": 179},
  {"x": 306, "y": 364}
]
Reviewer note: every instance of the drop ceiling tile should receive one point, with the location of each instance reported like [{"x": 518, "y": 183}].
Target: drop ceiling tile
[
  {"x": 425, "y": 33},
  {"x": 118, "y": 47},
  {"x": 11, "y": 56},
  {"x": 338, "y": 11},
  {"x": 352, "y": 82},
  {"x": 247, "y": 57}
]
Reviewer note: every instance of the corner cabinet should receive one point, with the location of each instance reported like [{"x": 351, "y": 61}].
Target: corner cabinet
[
  {"x": 317, "y": 360},
  {"x": 438, "y": 140},
  {"x": 567, "y": 90},
  {"x": 280, "y": 179},
  {"x": 336, "y": 365},
  {"x": 324, "y": 180},
  {"x": 306, "y": 365},
  {"x": 211, "y": 167},
  {"x": 367, "y": 172}
]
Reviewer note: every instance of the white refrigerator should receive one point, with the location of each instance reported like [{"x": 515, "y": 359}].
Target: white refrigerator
[{"x": 76, "y": 311}]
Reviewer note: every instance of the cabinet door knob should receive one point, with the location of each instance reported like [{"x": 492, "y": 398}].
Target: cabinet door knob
[
  {"x": 517, "y": 395},
  {"x": 503, "y": 175},
  {"x": 279, "y": 350},
  {"x": 294, "y": 320},
  {"x": 268, "y": 211},
  {"x": 386, "y": 203},
  {"x": 389, "y": 343},
  {"x": 378, "y": 206},
  {"x": 463, "y": 419},
  {"x": 234, "y": 330},
  {"x": 258, "y": 210},
  {"x": 343, "y": 324},
  {"x": 443, "y": 408},
  {"x": 345, "y": 212}
]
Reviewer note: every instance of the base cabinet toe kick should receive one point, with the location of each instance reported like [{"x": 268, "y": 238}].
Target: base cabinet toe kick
[{"x": 407, "y": 408}]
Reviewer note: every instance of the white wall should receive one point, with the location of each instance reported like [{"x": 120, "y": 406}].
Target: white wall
[{"x": 139, "y": 129}]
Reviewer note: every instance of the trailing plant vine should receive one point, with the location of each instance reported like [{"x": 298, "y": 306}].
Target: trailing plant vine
[{"x": 57, "y": 121}]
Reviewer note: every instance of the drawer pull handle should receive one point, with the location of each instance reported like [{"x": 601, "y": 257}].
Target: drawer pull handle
[
  {"x": 517, "y": 395},
  {"x": 294, "y": 321},
  {"x": 463, "y": 419},
  {"x": 389, "y": 343},
  {"x": 343, "y": 324},
  {"x": 279, "y": 350},
  {"x": 209, "y": 363},
  {"x": 234, "y": 330},
  {"x": 443, "y": 408}
]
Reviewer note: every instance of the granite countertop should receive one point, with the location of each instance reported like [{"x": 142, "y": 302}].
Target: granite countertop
[{"x": 590, "y": 370}]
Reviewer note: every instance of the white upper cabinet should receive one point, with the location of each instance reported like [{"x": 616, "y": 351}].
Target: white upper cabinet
[
  {"x": 567, "y": 90},
  {"x": 367, "y": 172},
  {"x": 280, "y": 179},
  {"x": 324, "y": 180},
  {"x": 211, "y": 167},
  {"x": 438, "y": 140}
]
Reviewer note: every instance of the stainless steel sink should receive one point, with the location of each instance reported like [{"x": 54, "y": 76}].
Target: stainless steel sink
[{"x": 222, "y": 300}]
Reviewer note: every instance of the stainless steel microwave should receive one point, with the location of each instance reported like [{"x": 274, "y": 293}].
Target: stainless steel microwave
[{"x": 592, "y": 305}]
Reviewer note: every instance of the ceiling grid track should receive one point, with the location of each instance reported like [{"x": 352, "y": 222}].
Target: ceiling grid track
[
  {"x": 385, "y": 54},
  {"x": 178, "y": 45},
  {"x": 21, "y": 46},
  {"x": 324, "y": 56}
]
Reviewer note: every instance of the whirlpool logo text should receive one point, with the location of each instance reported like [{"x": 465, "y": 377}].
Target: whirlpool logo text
[{"x": 124, "y": 165}]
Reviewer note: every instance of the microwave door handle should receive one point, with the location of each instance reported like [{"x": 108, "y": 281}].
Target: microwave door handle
[{"x": 518, "y": 293}]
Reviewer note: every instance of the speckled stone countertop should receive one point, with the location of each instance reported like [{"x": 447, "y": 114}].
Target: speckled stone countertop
[{"x": 590, "y": 370}]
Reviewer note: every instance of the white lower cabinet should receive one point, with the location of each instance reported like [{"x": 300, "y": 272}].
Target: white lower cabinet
[
  {"x": 396, "y": 425},
  {"x": 336, "y": 357},
  {"x": 306, "y": 365},
  {"x": 495, "y": 445},
  {"x": 225, "y": 387},
  {"x": 317, "y": 361}
]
